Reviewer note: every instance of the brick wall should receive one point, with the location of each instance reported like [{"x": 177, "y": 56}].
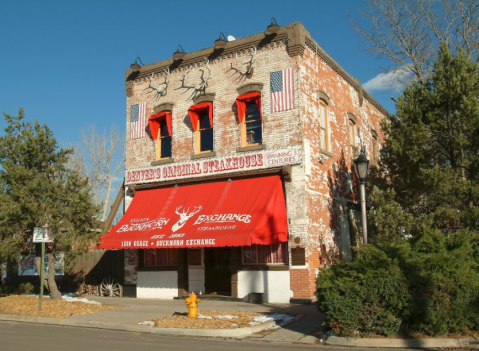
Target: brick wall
[
  {"x": 321, "y": 187},
  {"x": 282, "y": 129}
]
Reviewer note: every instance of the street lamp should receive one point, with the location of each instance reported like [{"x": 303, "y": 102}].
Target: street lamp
[{"x": 362, "y": 167}]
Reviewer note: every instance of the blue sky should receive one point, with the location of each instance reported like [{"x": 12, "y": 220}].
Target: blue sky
[{"x": 65, "y": 61}]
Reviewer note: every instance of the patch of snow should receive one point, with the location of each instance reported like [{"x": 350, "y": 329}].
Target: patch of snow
[
  {"x": 204, "y": 317},
  {"x": 77, "y": 299},
  {"x": 147, "y": 323},
  {"x": 280, "y": 318},
  {"x": 226, "y": 316},
  {"x": 69, "y": 294}
]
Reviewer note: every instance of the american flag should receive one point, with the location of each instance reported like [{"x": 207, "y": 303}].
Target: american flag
[
  {"x": 138, "y": 121},
  {"x": 282, "y": 90}
]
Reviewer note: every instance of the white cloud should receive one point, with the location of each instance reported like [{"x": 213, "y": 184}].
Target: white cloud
[{"x": 387, "y": 81}]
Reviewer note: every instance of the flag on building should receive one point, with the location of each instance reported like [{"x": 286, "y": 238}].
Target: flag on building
[
  {"x": 138, "y": 121},
  {"x": 282, "y": 90}
]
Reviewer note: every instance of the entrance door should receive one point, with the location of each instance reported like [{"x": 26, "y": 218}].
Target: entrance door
[
  {"x": 218, "y": 270},
  {"x": 196, "y": 272}
]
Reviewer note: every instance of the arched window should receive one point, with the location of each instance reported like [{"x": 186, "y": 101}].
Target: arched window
[
  {"x": 201, "y": 116},
  {"x": 352, "y": 135},
  {"x": 324, "y": 122},
  {"x": 160, "y": 128},
  {"x": 375, "y": 147},
  {"x": 249, "y": 115}
]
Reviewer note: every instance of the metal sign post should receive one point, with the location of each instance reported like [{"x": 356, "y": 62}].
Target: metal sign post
[
  {"x": 42, "y": 270},
  {"x": 41, "y": 235}
]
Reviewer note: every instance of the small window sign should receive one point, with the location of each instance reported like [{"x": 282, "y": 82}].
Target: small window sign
[
  {"x": 298, "y": 257},
  {"x": 42, "y": 235}
]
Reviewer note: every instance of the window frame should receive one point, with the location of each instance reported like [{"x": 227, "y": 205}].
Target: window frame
[
  {"x": 197, "y": 112},
  {"x": 324, "y": 129},
  {"x": 375, "y": 148},
  {"x": 244, "y": 128},
  {"x": 168, "y": 260},
  {"x": 159, "y": 146},
  {"x": 242, "y": 103},
  {"x": 155, "y": 123},
  {"x": 352, "y": 135},
  {"x": 199, "y": 136},
  {"x": 283, "y": 248}
]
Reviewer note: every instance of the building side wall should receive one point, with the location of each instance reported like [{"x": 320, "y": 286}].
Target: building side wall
[{"x": 329, "y": 182}]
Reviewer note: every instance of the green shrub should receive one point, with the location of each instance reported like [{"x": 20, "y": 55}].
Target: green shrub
[
  {"x": 429, "y": 285},
  {"x": 366, "y": 296},
  {"x": 26, "y": 288},
  {"x": 444, "y": 278}
]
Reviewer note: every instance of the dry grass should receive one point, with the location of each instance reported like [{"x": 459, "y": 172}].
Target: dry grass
[
  {"x": 242, "y": 319},
  {"x": 24, "y": 305}
]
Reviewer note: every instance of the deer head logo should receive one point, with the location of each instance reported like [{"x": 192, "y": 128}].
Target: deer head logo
[{"x": 184, "y": 216}]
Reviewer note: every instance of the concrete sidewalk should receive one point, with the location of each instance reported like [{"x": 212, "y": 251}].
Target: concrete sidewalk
[
  {"x": 306, "y": 329},
  {"x": 136, "y": 311}
]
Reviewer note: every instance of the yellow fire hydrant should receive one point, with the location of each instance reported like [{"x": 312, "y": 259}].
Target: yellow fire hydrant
[{"x": 192, "y": 303}]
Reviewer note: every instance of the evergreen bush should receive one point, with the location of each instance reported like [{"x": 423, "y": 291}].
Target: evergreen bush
[
  {"x": 429, "y": 285},
  {"x": 365, "y": 296}
]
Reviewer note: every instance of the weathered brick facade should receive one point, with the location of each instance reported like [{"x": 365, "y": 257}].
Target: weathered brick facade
[{"x": 320, "y": 191}]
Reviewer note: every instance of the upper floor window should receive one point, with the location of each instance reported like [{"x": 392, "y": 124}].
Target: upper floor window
[
  {"x": 201, "y": 116},
  {"x": 352, "y": 134},
  {"x": 264, "y": 254},
  {"x": 324, "y": 121},
  {"x": 249, "y": 115},
  {"x": 375, "y": 147},
  {"x": 204, "y": 136},
  {"x": 160, "y": 128}
]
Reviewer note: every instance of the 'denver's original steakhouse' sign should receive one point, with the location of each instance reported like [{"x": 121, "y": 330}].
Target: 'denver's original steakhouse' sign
[{"x": 237, "y": 163}]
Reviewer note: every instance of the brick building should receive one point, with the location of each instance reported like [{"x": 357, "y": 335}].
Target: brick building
[{"x": 238, "y": 168}]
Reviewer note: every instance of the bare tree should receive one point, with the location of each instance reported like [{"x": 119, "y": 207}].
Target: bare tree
[
  {"x": 105, "y": 159},
  {"x": 409, "y": 32}
]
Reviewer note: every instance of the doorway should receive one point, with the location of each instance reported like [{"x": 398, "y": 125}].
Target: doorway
[
  {"x": 196, "y": 272},
  {"x": 218, "y": 270}
]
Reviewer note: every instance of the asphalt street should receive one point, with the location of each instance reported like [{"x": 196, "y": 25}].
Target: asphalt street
[{"x": 25, "y": 336}]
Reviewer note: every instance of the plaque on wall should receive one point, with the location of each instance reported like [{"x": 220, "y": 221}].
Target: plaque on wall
[{"x": 298, "y": 257}]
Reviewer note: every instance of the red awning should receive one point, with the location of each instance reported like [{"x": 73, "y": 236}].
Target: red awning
[{"x": 230, "y": 213}]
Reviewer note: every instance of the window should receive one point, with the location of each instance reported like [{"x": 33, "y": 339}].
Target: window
[
  {"x": 160, "y": 257},
  {"x": 324, "y": 120},
  {"x": 201, "y": 116},
  {"x": 160, "y": 128},
  {"x": 264, "y": 254},
  {"x": 251, "y": 128},
  {"x": 375, "y": 147},
  {"x": 163, "y": 143},
  {"x": 352, "y": 135},
  {"x": 249, "y": 115},
  {"x": 204, "y": 134}
]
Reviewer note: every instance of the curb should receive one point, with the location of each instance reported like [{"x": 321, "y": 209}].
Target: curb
[
  {"x": 232, "y": 333},
  {"x": 397, "y": 343}
]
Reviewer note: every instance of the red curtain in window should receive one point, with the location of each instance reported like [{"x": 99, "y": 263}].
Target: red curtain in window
[
  {"x": 242, "y": 100},
  {"x": 154, "y": 123},
  {"x": 195, "y": 110}
]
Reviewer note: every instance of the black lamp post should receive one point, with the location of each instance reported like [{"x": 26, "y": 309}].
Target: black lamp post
[{"x": 362, "y": 168}]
